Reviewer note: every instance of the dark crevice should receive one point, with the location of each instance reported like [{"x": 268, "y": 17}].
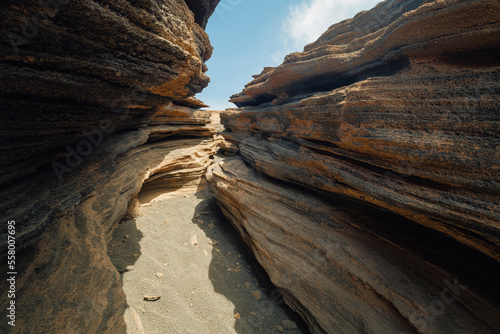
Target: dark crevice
[
  {"x": 480, "y": 272},
  {"x": 263, "y": 277},
  {"x": 195, "y": 134},
  {"x": 331, "y": 81},
  {"x": 473, "y": 59},
  {"x": 319, "y": 148}
]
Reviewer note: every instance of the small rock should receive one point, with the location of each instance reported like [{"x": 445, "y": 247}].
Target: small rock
[
  {"x": 160, "y": 275},
  {"x": 129, "y": 268},
  {"x": 151, "y": 298},
  {"x": 248, "y": 285},
  {"x": 211, "y": 226},
  {"x": 205, "y": 213},
  {"x": 166, "y": 220},
  {"x": 280, "y": 329},
  {"x": 237, "y": 316},
  {"x": 199, "y": 221},
  {"x": 194, "y": 240},
  {"x": 205, "y": 253},
  {"x": 197, "y": 216},
  {"x": 212, "y": 242},
  {"x": 258, "y": 295},
  {"x": 288, "y": 324}
]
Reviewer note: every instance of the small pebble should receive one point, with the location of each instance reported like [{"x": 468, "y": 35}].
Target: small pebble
[
  {"x": 237, "y": 316},
  {"x": 151, "y": 298},
  {"x": 258, "y": 295},
  {"x": 288, "y": 324}
]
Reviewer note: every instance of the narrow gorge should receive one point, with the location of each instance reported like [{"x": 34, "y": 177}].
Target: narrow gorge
[{"x": 361, "y": 175}]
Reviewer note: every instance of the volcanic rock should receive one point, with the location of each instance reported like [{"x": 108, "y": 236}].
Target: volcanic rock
[
  {"x": 96, "y": 101},
  {"x": 362, "y": 157}
]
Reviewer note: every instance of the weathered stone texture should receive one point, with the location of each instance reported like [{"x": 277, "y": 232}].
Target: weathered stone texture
[
  {"x": 395, "y": 114},
  {"x": 94, "y": 103}
]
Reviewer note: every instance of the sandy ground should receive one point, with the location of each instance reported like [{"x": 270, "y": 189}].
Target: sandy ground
[{"x": 183, "y": 250}]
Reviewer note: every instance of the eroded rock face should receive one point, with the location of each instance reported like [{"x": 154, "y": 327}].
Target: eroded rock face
[
  {"x": 346, "y": 267},
  {"x": 95, "y": 102},
  {"x": 394, "y": 115},
  {"x": 202, "y": 10},
  {"x": 95, "y": 60}
]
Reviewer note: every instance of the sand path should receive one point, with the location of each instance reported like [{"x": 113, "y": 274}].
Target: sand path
[{"x": 183, "y": 250}]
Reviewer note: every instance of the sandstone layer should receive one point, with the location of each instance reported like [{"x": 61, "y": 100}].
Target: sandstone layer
[
  {"x": 96, "y": 101},
  {"x": 393, "y": 115}
]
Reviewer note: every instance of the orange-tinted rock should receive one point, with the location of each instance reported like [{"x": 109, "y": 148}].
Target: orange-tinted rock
[
  {"x": 348, "y": 267},
  {"x": 94, "y": 103},
  {"x": 92, "y": 61},
  {"x": 395, "y": 114},
  {"x": 380, "y": 42}
]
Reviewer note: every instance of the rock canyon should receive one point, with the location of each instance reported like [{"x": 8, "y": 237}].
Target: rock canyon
[{"x": 364, "y": 173}]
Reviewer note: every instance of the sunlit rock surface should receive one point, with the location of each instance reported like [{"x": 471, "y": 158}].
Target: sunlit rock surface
[
  {"x": 392, "y": 119},
  {"x": 95, "y": 102}
]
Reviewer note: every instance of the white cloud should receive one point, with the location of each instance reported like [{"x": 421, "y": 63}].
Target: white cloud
[{"x": 307, "y": 20}]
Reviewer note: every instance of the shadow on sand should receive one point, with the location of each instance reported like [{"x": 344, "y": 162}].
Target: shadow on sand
[{"x": 233, "y": 271}]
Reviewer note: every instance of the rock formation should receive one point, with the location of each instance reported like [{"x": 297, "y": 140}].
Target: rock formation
[
  {"x": 370, "y": 190},
  {"x": 96, "y": 100}
]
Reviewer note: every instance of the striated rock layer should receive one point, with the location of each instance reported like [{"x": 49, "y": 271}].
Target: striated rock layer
[
  {"x": 96, "y": 100},
  {"x": 374, "y": 162}
]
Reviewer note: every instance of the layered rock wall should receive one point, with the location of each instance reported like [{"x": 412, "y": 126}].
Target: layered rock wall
[
  {"x": 96, "y": 100},
  {"x": 372, "y": 171}
]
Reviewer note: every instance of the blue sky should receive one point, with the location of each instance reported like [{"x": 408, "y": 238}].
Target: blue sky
[{"x": 248, "y": 35}]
